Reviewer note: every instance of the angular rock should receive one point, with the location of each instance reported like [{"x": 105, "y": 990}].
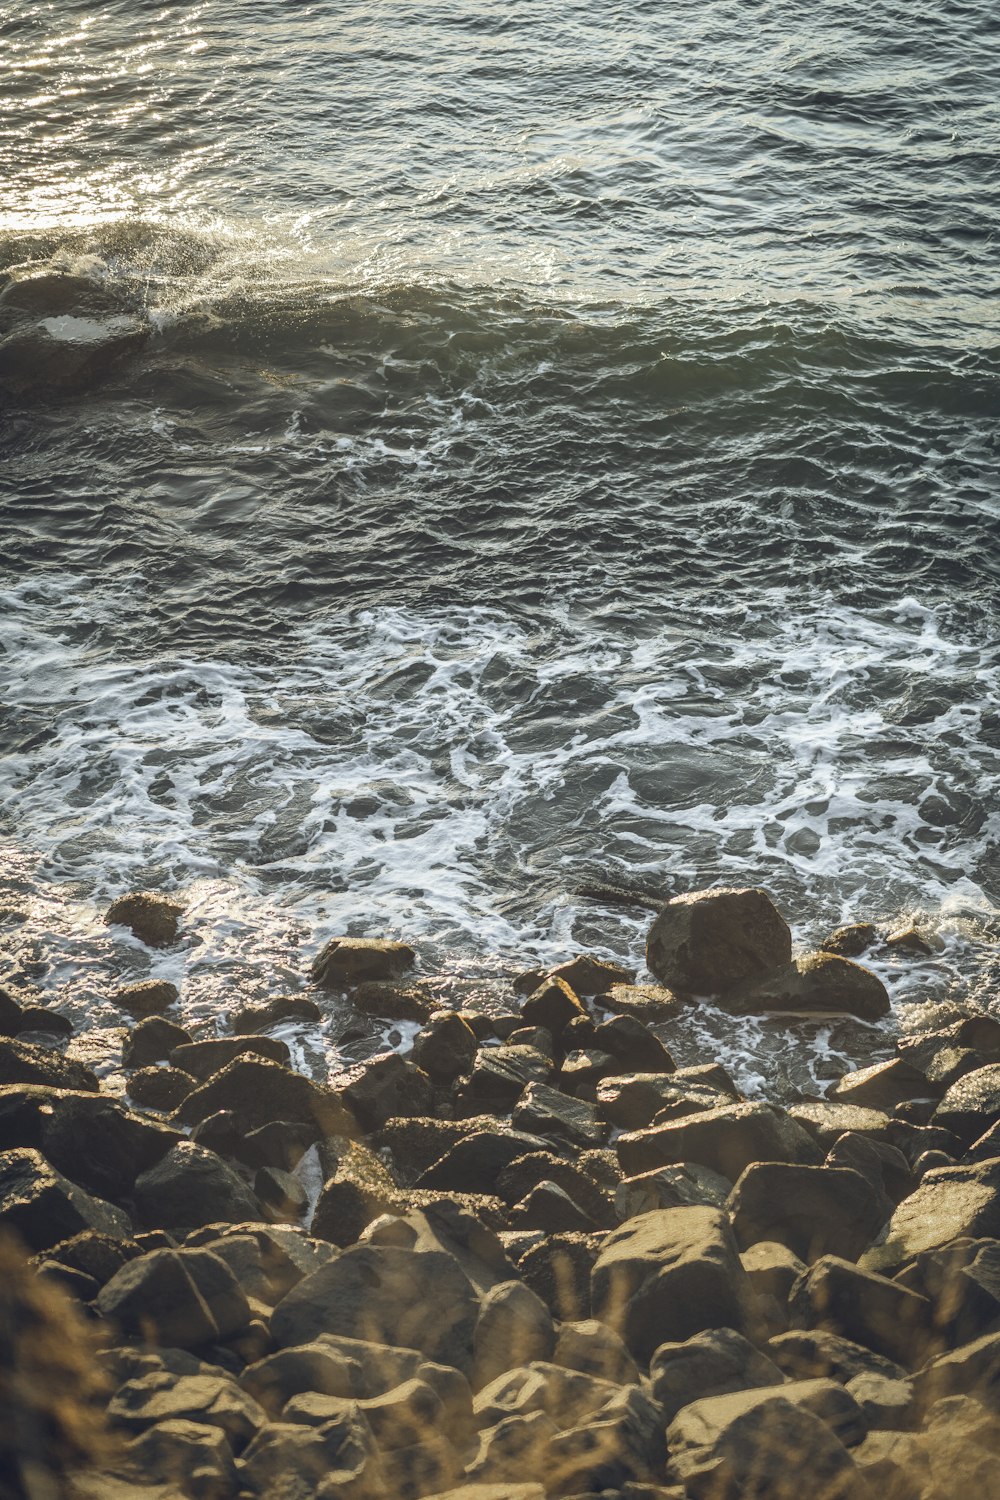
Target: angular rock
[
  {"x": 516, "y": 1446},
  {"x": 971, "y": 1106},
  {"x": 706, "y": 942},
  {"x": 549, "y": 1208},
  {"x": 345, "y": 961},
  {"x": 23, "y": 1062},
  {"x": 637, "y": 1048},
  {"x": 971, "y": 1370},
  {"x": 43, "y": 1207},
  {"x": 882, "y": 1086},
  {"x": 420, "y": 1300},
  {"x": 152, "y": 1041},
  {"x": 950, "y": 1203},
  {"x": 645, "y": 1003},
  {"x": 283, "y": 1196},
  {"x": 10, "y": 1014},
  {"x": 525, "y": 1173},
  {"x": 558, "y": 1270},
  {"x": 818, "y": 984},
  {"x": 727, "y": 1139},
  {"x": 773, "y": 1270},
  {"x": 827, "y": 1120},
  {"x": 475, "y": 1162},
  {"x": 39, "y": 1019},
  {"x": 514, "y": 1328},
  {"x": 180, "y": 1298},
  {"x": 189, "y": 1455},
  {"x": 850, "y": 941},
  {"x": 714, "y": 1363},
  {"x": 161, "y": 1088},
  {"x": 289, "y": 1461},
  {"x": 863, "y": 1307},
  {"x": 553, "y": 1005},
  {"x": 544, "y": 1111},
  {"x": 669, "y": 1274},
  {"x": 498, "y": 1077},
  {"x": 149, "y": 997},
  {"x": 882, "y": 1165},
  {"x": 190, "y": 1187},
  {"x": 446, "y": 1047},
  {"x": 384, "y": 1088},
  {"x": 202, "y": 1059},
  {"x": 358, "y": 1190},
  {"x": 273, "y": 1012},
  {"x": 588, "y": 1346},
  {"x": 684, "y": 1186},
  {"x": 152, "y": 918},
  {"x": 815, "y": 1211},
  {"x": 206, "y": 1399},
  {"x": 631, "y": 1101},
  {"x": 817, "y": 1354},
  {"x": 260, "y": 1092},
  {"x": 393, "y": 1002}
]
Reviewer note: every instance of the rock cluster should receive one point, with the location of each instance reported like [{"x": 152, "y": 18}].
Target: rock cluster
[{"x": 544, "y": 1261}]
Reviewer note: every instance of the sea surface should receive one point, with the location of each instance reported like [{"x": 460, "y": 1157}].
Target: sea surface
[{"x": 457, "y": 457}]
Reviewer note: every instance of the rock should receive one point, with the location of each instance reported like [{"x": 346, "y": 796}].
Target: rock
[
  {"x": 183, "y": 1298},
  {"x": 281, "y": 1144},
  {"x": 150, "y": 997},
  {"x": 684, "y": 1186},
  {"x": 644, "y": 1003},
  {"x": 393, "y": 1002},
  {"x": 909, "y": 939},
  {"x": 191, "y": 1187},
  {"x": 289, "y": 1461},
  {"x": 23, "y": 1062},
  {"x": 415, "y": 1144},
  {"x": 815, "y": 1211},
  {"x": 883, "y": 1403},
  {"x": 971, "y": 1106},
  {"x": 827, "y": 1120},
  {"x": 358, "y": 1190},
  {"x": 207, "y": 1399},
  {"x": 726, "y": 1139},
  {"x": 895, "y": 1465},
  {"x": 816, "y": 1353},
  {"x": 265, "y": 1262},
  {"x": 153, "y": 919},
  {"x": 637, "y": 1049},
  {"x": 38, "y": 1019},
  {"x": 514, "y": 1328},
  {"x": 160, "y": 1088},
  {"x": 202, "y": 1059},
  {"x": 260, "y": 1092},
  {"x": 94, "y": 1255},
  {"x": 191, "y": 1455},
  {"x": 773, "y": 1269},
  {"x": 10, "y": 1014},
  {"x": 624, "y": 1443},
  {"x": 757, "y": 1445},
  {"x": 850, "y": 941},
  {"x": 960, "y": 1440},
  {"x": 558, "y": 1270},
  {"x": 446, "y": 1047},
  {"x": 630, "y": 1101},
  {"x": 706, "y": 942},
  {"x": 348, "y": 961},
  {"x": 544, "y": 1111},
  {"x": 384, "y": 1088},
  {"x": 971, "y": 1370},
  {"x": 950, "y": 1203},
  {"x": 516, "y": 1446},
  {"x": 587, "y": 975},
  {"x": 282, "y": 1195},
  {"x": 498, "y": 1077},
  {"x": 505, "y": 1491},
  {"x": 565, "y": 1396},
  {"x": 422, "y": 1300},
  {"x": 713, "y": 1363},
  {"x": 43, "y": 1207},
  {"x": 541, "y": 1040},
  {"x": 553, "y": 1005},
  {"x": 477, "y": 1161},
  {"x": 525, "y": 1173},
  {"x": 866, "y": 1308},
  {"x": 273, "y": 1012},
  {"x": 882, "y": 1086},
  {"x": 549, "y": 1208},
  {"x": 882, "y": 1165},
  {"x": 818, "y": 984},
  {"x": 592, "y": 1349},
  {"x": 669, "y": 1274},
  {"x": 152, "y": 1041}
]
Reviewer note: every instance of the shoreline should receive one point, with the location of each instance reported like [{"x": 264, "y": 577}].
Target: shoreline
[{"x": 533, "y": 1253}]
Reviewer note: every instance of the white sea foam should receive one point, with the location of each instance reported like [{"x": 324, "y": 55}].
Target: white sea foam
[{"x": 452, "y": 777}]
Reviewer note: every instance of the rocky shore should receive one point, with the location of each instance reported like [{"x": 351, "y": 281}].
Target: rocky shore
[{"x": 532, "y": 1259}]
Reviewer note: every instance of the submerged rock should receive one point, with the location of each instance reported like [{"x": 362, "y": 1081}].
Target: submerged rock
[
  {"x": 152, "y": 918},
  {"x": 345, "y": 961}
]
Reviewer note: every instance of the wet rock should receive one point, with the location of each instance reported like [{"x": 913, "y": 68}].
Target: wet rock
[
  {"x": 357, "y": 1190},
  {"x": 850, "y": 941},
  {"x": 631, "y": 1101},
  {"x": 161, "y": 1088},
  {"x": 191, "y": 1187},
  {"x": 386, "y": 1087},
  {"x": 422, "y": 1300},
  {"x": 43, "y": 1207},
  {"x": 584, "y": 974},
  {"x": 150, "y": 997},
  {"x": 545, "y": 1111},
  {"x": 282, "y": 1195},
  {"x": 669, "y": 1274},
  {"x": 713, "y": 1363},
  {"x": 558, "y": 1270},
  {"x": 261, "y": 1092},
  {"x": 910, "y": 939},
  {"x": 818, "y": 984},
  {"x": 152, "y": 1041},
  {"x": 270, "y": 1013},
  {"x": 207, "y": 1399},
  {"x": 183, "y": 1298},
  {"x": 393, "y": 1002},
  {"x": 553, "y": 1005},
  {"x": 882, "y": 1086},
  {"x": 637, "y": 1048},
  {"x": 827, "y": 1120},
  {"x": 865, "y": 1308},
  {"x": 202, "y": 1059},
  {"x": 345, "y": 961},
  {"x": 706, "y": 942},
  {"x": 684, "y": 1186},
  {"x": 39, "y": 1020},
  {"x": 153, "y": 919},
  {"x": 477, "y": 1160},
  {"x": 727, "y": 1139},
  {"x": 949, "y": 1204},
  {"x": 23, "y": 1062},
  {"x": 10, "y": 1014},
  {"x": 758, "y": 1445},
  {"x": 499, "y": 1076},
  {"x": 815, "y": 1211},
  {"x": 971, "y": 1106},
  {"x": 583, "y": 1069},
  {"x": 446, "y": 1047},
  {"x": 192, "y": 1455},
  {"x": 643, "y": 1002},
  {"x": 65, "y": 353},
  {"x": 514, "y": 1328},
  {"x": 537, "y": 1037}
]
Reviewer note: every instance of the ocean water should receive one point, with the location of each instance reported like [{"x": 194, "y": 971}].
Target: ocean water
[{"x": 454, "y": 458}]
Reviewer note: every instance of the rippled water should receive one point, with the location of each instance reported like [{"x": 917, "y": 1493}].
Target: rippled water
[{"x": 453, "y": 458}]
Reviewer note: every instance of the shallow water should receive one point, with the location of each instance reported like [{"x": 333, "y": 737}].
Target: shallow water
[{"x": 452, "y": 459}]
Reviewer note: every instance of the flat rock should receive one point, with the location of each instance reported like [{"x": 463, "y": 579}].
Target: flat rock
[
  {"x": 817, "y": 984},
  {"x": 881, "y": 1086}
]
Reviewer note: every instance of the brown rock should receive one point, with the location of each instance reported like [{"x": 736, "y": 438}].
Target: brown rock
[
  {"x": 150, "y": 997},
  {"x": 818, "y": 984},
  {"x": 706, "y": 942},
  {"x": 347, "y": 961},
  {"x": 153, "y": 919}
]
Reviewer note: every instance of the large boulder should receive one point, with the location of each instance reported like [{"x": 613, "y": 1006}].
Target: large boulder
[
  {"x": 346, "y": 961},
  {"x": 818, "y": 984},
  {"x": 384, "y": 1088},
  {"x": 883, "y": 1085},
  {"x": 514, "y": 1328},
  {"x": 43, "y": 1207},
  {"x": 728, "y": 1139},
  {"x": 950, "y": 1203},
  {"x": 713, "y": 1363},
  {"x": 706, "y": 942},
  {"x": 418, "y": 1299},
  {"x": 865, "y": 1308},
  {"x": 190, "y": 1187},
  {"x": 23, "y": 1062},
  {"x": 813, "y": 1210},
  {"x": 258, "y": 1092},
  {"x": 971, "y": 1106},
  {"x": 152, "y": 918},
  {"x": 179, "y": 1298},
  {"x": 498, "y": 1076},
  {"x": 669, "y": 1274}
]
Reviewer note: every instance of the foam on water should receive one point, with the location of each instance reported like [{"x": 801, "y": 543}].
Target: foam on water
[{"x": 454, "y": 777}]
